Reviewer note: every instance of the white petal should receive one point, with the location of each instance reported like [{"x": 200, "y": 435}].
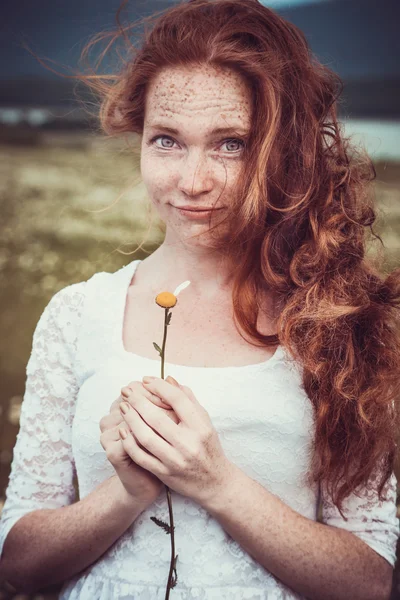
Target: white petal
[{"x": 181, "y": 287}]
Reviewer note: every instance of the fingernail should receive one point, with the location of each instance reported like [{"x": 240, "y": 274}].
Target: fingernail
[
  {"x": 148, "y": 379},
  {"x": 172, "y": 380},
  {"x": 123, "y": 434},
  {"x": 124, "y": 407},
  {"x": 125, "y": 391}
]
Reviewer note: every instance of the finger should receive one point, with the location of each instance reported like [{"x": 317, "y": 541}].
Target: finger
[
  {"x": 159, "y": 402},
  {"x": 116, "y": 403},
  {"x": 163, "y": 424},
  {"x": 133, "y": 398},
  {"x": 126, "y": 393},
  {"x": 141, "y": 396},
  {"x": 126, "y": 390},
  {"x": 191, "y": 395},
  {"x": 140, "y": 457},
  {"x": 170, "y": 413},
  {"x": 128, "y": 432},
  {"x": 111, "y": 420},
  {"x": 110, "y": 435},
  {"x": 149, "y": 439},
  {"x": 184, "y": 388},
  {"x": 115, "y": 450},
  {"x": 134, "y": 386},
  {"x": 129, "y": 388},
  {"x": 200, "y": 407},
  {"x": 184, "y": 407}
]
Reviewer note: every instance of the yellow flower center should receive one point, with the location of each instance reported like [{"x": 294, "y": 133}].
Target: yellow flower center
[{"x": 166, "y": 300}]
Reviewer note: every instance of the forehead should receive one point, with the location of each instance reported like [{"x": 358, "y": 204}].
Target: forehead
[{"x": 205, "y": 93}]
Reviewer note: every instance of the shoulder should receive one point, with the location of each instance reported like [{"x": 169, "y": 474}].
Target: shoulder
[
  {"x": 71, "y": 298},
  {"x": 58, "y": 324},
  {"x": 68, "y": 304},
  {"x": 65, "y": 303}
]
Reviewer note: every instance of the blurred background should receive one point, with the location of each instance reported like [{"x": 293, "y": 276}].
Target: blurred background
[{"x": 72, "y": 202}]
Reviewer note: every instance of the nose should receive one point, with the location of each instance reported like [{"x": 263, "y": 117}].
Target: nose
[{"x": 195, "y": 176}]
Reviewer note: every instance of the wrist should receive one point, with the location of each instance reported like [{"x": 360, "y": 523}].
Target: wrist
[
  {"x": 224, "y": 490},
  {"x": 128, "y": 503}
]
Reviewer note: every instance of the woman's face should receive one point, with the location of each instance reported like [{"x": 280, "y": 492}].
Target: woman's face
[{"x": 185, "y": 160}]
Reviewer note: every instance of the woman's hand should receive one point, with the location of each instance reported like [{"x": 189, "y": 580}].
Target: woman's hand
[
  {"x": 186, "y": 455},
  {"x": 137, "y": 482}
]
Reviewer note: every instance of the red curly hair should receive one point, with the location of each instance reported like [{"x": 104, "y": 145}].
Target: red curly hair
[{"x": 298, "y": 222}]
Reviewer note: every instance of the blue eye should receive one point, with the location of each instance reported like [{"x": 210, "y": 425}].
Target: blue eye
[
  {"x": 234, "y": 141},
  {"x": 170, "y": 139},
  {"x": 162, "y": 137}
]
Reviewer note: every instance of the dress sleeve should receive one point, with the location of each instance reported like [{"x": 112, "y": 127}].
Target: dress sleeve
[
  {"x": 43, "y": 468},
  {"x": 373, "y": 521}
]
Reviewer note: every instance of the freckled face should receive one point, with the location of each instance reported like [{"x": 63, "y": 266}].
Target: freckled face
[{"x": 184, "y": 160}]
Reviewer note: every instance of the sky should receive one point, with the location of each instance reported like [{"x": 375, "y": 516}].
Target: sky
[
  {"x": 290, "y": 3},
  {"x": 356, "y": 38}
]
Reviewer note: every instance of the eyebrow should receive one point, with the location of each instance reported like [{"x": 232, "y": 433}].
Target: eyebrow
[{"x": 219, "y": 130}]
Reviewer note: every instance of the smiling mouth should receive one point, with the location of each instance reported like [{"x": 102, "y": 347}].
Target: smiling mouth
[{"x": 198, "y": 209}]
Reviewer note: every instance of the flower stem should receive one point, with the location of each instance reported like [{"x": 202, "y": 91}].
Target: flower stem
[
  {"x": 171, "y": 583},
  {"x": 164, "y": 342},
  {"x": 171, "y": 579}
]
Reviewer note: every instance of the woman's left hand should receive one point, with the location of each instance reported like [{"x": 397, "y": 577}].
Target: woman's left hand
[{"x": 186, "y": 456}]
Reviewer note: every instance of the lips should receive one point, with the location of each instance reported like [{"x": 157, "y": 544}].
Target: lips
[{"x": 197, "y": 209}]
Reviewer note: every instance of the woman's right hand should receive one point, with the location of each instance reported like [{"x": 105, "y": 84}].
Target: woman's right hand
[{"x": 138, "y": 482}]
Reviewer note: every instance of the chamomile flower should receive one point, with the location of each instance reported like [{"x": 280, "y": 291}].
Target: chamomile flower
[{"x": 167, "y": 299}]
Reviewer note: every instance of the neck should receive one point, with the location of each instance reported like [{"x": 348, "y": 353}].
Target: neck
[{"x": 171, "y": 264}]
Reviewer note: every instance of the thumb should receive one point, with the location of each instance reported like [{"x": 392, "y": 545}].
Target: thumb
[
  {"x": 173, "y": 381},
  {"x": 184, "y": 388}
]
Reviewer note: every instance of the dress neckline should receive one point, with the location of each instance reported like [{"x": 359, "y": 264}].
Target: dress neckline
[{"x": 130, "y": 269}]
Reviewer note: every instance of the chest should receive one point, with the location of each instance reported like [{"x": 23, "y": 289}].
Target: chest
[{"x": 200, "y": 333}]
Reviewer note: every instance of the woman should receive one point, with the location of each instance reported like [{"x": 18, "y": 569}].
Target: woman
[{"x": 283, "y": 351}]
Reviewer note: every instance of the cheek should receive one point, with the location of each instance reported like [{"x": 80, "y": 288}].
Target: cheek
[
  {"x": 227, "y": 171},
  {"x": 156, "y": 176}
]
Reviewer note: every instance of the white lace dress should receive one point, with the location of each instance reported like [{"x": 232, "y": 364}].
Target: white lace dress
[{"x": 263, "y": 417}]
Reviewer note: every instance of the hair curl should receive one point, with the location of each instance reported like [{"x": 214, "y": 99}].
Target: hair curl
[{"x": 298, "y": 222}]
